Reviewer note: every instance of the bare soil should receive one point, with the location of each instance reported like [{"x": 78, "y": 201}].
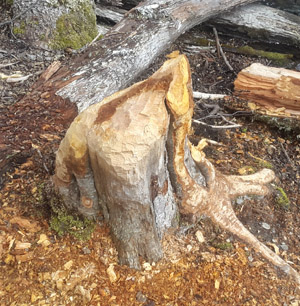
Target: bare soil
[{"x": 37, "y": 267}]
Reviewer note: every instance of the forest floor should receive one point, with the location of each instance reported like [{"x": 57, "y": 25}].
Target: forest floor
[{"x": 38, "y": 267}]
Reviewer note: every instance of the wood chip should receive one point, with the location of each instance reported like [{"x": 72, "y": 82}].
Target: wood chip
[{"x": 28, "y": 225}]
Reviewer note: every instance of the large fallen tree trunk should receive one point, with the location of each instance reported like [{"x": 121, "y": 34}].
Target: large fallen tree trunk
[
  {"x": 129, "y": 157},
  {"x": 254, "y": 21},
  {"x": 261, "y": 23},
  {"x": 292, "y": 6},
  {"x": 129, "y": 48}
]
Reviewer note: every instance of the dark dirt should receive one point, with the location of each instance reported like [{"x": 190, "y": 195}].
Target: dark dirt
[{"x": 39, "y": 268}]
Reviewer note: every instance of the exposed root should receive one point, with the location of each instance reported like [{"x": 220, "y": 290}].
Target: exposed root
[{"x": 217, "y": 205}]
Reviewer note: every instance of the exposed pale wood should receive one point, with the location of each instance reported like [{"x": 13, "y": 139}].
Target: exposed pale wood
[
  {"x": 269, "y": 90},
  {"x": 130, "y": 156}
]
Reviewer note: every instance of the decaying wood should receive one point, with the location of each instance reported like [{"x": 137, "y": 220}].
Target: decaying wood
[
  {"x": 112, "y": 14},
  {"x": 271, "y": 91},
  {"x": 292, "y": 6},
  {"x": 254, "y": 21},
  {"x": 260, "y": 22},
  {"x": 130, "y": 47},
  {"x": 129, "y": 156}
]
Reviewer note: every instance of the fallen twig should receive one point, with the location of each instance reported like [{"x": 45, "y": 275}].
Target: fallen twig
[
  {"x": 203, "y": 95},
  {"x": 286, "y": 154},
  {"x": 218, "y": 126},
  {"x": 7, "y": 64},
  {"x": 219, "y": 49}
]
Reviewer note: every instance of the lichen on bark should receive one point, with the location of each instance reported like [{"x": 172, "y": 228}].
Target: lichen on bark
[
  {"x": 76, "y": 28},
  {"x": 55, "y": 24}
]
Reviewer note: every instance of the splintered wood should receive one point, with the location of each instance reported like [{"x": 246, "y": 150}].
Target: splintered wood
[{"x": 271, "y": 91}]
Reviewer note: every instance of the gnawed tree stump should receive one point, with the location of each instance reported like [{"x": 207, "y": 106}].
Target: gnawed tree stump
[
  {"x": 269, "y": 90},
  {"x": 129, "y": 156}
]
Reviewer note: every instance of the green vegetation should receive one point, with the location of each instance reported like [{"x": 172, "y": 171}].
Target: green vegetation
[
  {"x": 48, "y": 204},
  {"x": 80, "y": 228},
  {"x": 223, "y": 246},
  {"x": 75, "y": 29},
  {"x": 19, "y": 30},
  {"x": 279, "y": 58},
  {"x": 264, "y": 164},
  {"x": 282, "y": 199},
  {"x": 9, "y": 2},
  {"x": 286, "y": 125}
]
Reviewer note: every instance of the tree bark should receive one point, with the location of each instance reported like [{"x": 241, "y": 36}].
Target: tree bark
[
  {"x": 56, "y": 24},
  {"x": 138, "y": 166},
  {"x": 129, "y": 48},
  {"x": 260, "y": 22},
  {"x": 292, "y": 6}
]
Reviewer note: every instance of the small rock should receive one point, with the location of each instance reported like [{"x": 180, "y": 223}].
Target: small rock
[
  {"x": 266, "y": 226},
  {"x": 250, "y": 258},
  {"x": 298, "y": 67},
  {"x": 86, "y": 251},
  {"x": 140, "y": 297},
  {"x": 239, "y": 201},
  {"x": 31, "y": 57},
  {"x": 284, "y": 247}
]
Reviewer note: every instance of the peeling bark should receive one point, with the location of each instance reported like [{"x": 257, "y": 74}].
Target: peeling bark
[{"x": 130, "y": 157}]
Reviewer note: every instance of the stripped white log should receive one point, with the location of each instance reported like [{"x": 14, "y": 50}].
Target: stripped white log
[{"x": 203, "y": 95}]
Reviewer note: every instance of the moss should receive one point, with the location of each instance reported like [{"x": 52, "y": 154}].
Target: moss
[
  {"x": 223, "y": 246},
  {"x": 75, "y": 29},
  {"x": 20, "y": 30},
  {"x": 286, "y": 125},
  {"x": 80, "y": 228},
  {"x": 48, "y": 204},
  {"x": 9, "y": 2},
  {"x": 282, "y": 199},
  {"x": 265, "y": 164},
  {"x": 279, "y": 58},
  {"x": 204, "y": 42}
]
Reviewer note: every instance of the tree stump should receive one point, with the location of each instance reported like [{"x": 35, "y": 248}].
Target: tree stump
[{"x": 129, "y": 156}]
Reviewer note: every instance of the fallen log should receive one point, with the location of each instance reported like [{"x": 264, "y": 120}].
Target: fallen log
[
  {"x": 254, "y": 21},
  {"x": 129, "y": 48},
  {"x": 138, "y": 168},
  {"x": 271, "y": 91},
  {"x": 260, "y": 22},
  {"x": 292, "y": 6},
  {"x": 111, "y": 63}
]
